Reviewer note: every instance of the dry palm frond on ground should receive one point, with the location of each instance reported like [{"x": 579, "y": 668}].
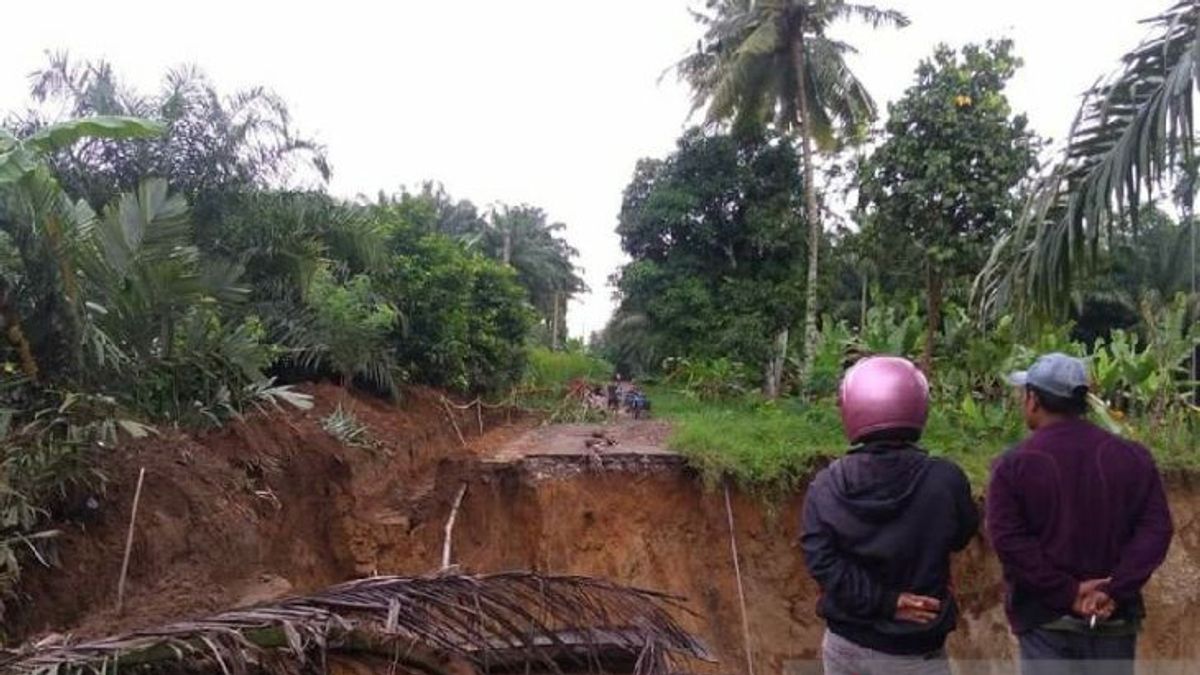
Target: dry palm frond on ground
[{"x": 504, "y": 622}]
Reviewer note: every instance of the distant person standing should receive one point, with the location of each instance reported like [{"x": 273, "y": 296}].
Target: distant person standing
[
  {"x": 614, "y": 393},
  {"x": 1079, "y": 520},
  {"x": 879, "y": 527}
]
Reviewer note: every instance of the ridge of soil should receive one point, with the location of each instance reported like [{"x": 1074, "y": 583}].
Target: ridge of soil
[
  {"x": 275, "y": 506},
  {"x": 255, "y": 510}
]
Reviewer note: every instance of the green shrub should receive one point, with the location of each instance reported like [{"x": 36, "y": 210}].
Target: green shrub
[
  {"x": 892, "y": 330},
  {"x": 349, "y": 329},
  {"x": 709, "y": 379},
  {"x": 498, "y": 325},
  {"x": 465, "y": 317},
  {"x": 828, "y": 358},
  {"x": 550, "y": 369},
  {"x": 47, "y": 450},
  {"x": 210, "y": 375},
  {"x": 345, "y": 426}
]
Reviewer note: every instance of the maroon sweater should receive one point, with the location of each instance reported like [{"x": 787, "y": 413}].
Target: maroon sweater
[{"x": 1074, "y": 502}]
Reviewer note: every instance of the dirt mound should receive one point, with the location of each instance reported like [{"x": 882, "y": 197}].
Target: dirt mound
[
  {"x": 250, "y": 512},
  {"x": 276, "y": 505}
]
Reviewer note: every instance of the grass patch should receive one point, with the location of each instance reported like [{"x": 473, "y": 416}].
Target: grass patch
[
  {"x": 551, "y": 370},
  {"x": 759, "y": 443},
  {"x": 774, "y": 445},
  {"x": 1174, "y": 439}
]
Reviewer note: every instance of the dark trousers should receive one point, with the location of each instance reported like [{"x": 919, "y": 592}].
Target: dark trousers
[{"x": 1053, "y": 652}]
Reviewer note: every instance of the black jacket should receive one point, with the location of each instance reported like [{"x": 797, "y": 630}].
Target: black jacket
[{"x": 878, "y": 522}]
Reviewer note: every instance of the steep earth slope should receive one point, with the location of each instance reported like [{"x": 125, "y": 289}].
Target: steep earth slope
[{"x": 275, "y": 505}]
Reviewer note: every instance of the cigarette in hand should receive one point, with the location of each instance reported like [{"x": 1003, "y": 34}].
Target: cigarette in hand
[{"x": 1092, "y": 622}]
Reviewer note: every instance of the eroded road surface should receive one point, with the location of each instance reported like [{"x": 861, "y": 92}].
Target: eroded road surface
[{"x": 622, "y": 438}]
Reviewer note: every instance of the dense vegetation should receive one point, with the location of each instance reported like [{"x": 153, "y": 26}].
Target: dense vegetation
[
  {"x": 173, "y": 259},
  {"x": 714, "y": 236},
  {"x": 953, "y": 246}
]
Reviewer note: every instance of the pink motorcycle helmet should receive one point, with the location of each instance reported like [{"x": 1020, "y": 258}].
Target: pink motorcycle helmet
[{"x": 882, "y": 393}]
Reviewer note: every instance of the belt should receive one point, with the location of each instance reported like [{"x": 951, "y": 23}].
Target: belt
[{"x": 1110, "y": 627}]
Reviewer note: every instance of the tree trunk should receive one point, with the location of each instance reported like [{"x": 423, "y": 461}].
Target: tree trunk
[
  {"x": 73, "y": 322},
  {"x": 1193, "y": 228},
  {"x": 862, "y": 304},
  {"x": 55, "y": 328},
  {"x": 933, "y": 312},
  {"x": 16, "y": 336},
  {"x": 554, "y": 326},
  {"x": 1188, "y": 205},
  {"x": 1191, "y": 221},
  {"x": 811, "y": 214},
  {"x": 774, "y": 375},
  {"x": 506, "y": 252}
]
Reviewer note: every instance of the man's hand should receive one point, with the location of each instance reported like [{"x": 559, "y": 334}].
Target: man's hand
[
  {"x": 1091, "y": 601},
  {"x": 1099, "y": 605},
  {"x": 917, "y": 608}
]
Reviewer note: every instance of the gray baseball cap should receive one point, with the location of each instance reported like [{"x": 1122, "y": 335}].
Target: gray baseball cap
[{"x": 1055, "y": 373}]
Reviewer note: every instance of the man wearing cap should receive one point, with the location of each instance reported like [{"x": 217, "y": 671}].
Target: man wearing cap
[
  {"x": 1079, "y": 520},
  {"x": 879, "y": 526}
]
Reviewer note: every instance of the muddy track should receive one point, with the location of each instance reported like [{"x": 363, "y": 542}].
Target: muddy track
[{"x": 276, "y": 506}]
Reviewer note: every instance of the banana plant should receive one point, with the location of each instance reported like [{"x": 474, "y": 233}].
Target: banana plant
[
  {"x": 22, "y": 157},
  {"x": 1149, "y": 373},
  {"x": 1123, "y": 370},
  {"x": 1172, "y": 335},
  {"x": 890, "y": 332}
]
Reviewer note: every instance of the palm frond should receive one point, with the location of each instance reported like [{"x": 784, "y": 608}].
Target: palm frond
[
  {"x": 1133, "y": 130},
  {"x": 743, "y": 70},
  {"x": 496, "y": 621},
  {"x": 838, "y": 94},
  {"x": 144, "y": 226},
  {"x": 874, "y": 17}
]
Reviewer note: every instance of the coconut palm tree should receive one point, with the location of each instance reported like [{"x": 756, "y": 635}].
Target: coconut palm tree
[
  {"x": 773, "y": 62},
  {"x": 1134, "y": 131}
]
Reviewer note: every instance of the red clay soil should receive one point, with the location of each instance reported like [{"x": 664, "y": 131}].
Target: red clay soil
[
  {"x": 253, "y": 511},
  {"x": 276, "y": 506}
]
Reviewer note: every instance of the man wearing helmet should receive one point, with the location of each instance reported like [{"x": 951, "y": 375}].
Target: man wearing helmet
[
  {"x": 879, "y": 526},
  {"x": 1079, "y": 520}
]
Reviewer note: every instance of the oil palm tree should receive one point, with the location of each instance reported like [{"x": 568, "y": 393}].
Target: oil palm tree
[
  {"x": 37, "y": 216},
  {"x": 522, "y": 237},
  {"x": 143, "y": 273},
  {"x": 1134, "y": 131},
  {"x": 773, "y": 62},
  {"x": 211, "y": 143}
]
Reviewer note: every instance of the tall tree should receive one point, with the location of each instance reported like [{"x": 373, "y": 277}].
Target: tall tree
[
  {"x": 773, "y": 61},
  {"x": 523, "y": 237},
  {"x": 212, "y": 143},
  {"x": 945, "y": 176},
  {"x": 711, "y": 230}
]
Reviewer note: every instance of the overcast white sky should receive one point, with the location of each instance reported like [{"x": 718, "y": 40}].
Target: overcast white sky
[{"x": 549, "y": 102}]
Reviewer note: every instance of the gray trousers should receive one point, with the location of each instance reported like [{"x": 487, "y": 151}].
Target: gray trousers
[
  {"x": 1056, "y": 652},
  {"x": 843, "y": 657}
]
